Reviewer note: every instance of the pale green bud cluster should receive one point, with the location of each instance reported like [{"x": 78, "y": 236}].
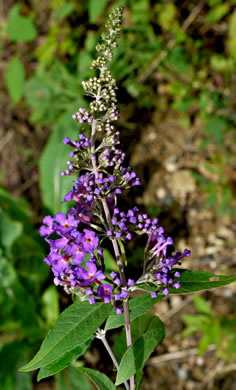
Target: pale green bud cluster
[
  {"x": 112, "y": 34},
  {"x": 103, "y": 88}
]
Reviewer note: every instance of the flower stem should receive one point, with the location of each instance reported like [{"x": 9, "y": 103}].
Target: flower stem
[
  {"x": 102, "y": 337},
  {"x": 114, "y": 243}
]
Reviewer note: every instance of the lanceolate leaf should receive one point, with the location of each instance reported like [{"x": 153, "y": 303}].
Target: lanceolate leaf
[
  {"x": 192, "y": 281},
  {"x": 135, "y": 357},
  {"x": 138, "y": 306},
  {"x": 71, "y": 379},
  {"x": 63, "y": 361},
  {"x": 53, "y": 161},
  {"x": 138, "y": 327},
  {"x": 101, "y": 381},
  {"x": 73, "y": 327},
  {"x": 15, "y": 77}
]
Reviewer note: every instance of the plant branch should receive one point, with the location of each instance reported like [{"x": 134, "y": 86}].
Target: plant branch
[
  {"x": 101, "y": 335},
  {"x": 114, "y": 241}
]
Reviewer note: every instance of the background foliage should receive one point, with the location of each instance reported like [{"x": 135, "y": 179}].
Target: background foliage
[{"x": 174, "y": 60}]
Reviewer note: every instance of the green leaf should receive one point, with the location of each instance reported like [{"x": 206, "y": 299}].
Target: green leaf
[
  {"x": 232, "y": 35},
  {"x": 27, "y": 258},
  {"x": 232, "y": 25},
  {"x": 100, "y": 380},
  {"x": 196, "y": 321},
  {"x": 9, "y": 229},
  {"x": 192, "y": 281},
  {"x": 138, "y": 327},
  {"x": 216, "y": 127},
  {"x": 167, "y": 16},
  {"x": 199, "y": 280},
  {"x": 17, "y": 306},
  {"x": 122, "y": 250},
  {"x": 202, "y": 305},
  {"x": 138, "y": 379},
  {"x": 205, "y": 341},
  {"x": 110, "y": 263},
  {"x": 71, "y": 379},
  {"x": 15, "y": 78},
  {"x": 53, "y": 161},
  {"x": 10, "y": 356},
  {"x": 137, "y": 306},
  {"x": 23, "y": 381},
  {"x": 51, "y": 93},
  {"x": 63, "y": 362},
  {"x": 64, "y": 10},
  {"x": 189, "y": 330},
  {"x": 217, "y": 13},
  {"x": 135, "y": 357},
  {"x": 20, "y": 28},
  {"x": 16, "y": 210},
  {"x": 95, "y": 8},
  {"x": 73, "y": 327},
  {"x": 140, "y": 11},
  {"x": 50, "y": 304}
]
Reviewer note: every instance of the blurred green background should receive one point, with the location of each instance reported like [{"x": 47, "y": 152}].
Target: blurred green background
[{"x": 175, "y": 68}]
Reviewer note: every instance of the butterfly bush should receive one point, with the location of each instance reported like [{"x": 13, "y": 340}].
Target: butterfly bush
[{"x": 76, "y": 255}]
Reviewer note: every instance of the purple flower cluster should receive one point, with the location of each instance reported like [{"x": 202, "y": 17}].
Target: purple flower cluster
[
  {"x": 68, "y": 258},
  {"x": 82, "y": 116},
  {"x": 161, "y": 270},
  {"x": 81, "y": 153},
  {"x": 111, "y": 157},
  {"x": 75, "y": 256},
  {"x": 91, "y": 188},
  {"x": 124, "y": 223}
]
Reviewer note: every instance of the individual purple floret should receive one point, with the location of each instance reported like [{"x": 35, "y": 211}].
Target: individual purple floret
[{"x": 105, "y": 291}]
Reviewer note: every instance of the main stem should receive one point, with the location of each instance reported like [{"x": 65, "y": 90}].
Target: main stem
[{"x": 114, "y": 243}]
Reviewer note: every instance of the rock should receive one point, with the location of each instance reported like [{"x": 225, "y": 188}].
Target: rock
[{"x": 181, "y": 183}]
